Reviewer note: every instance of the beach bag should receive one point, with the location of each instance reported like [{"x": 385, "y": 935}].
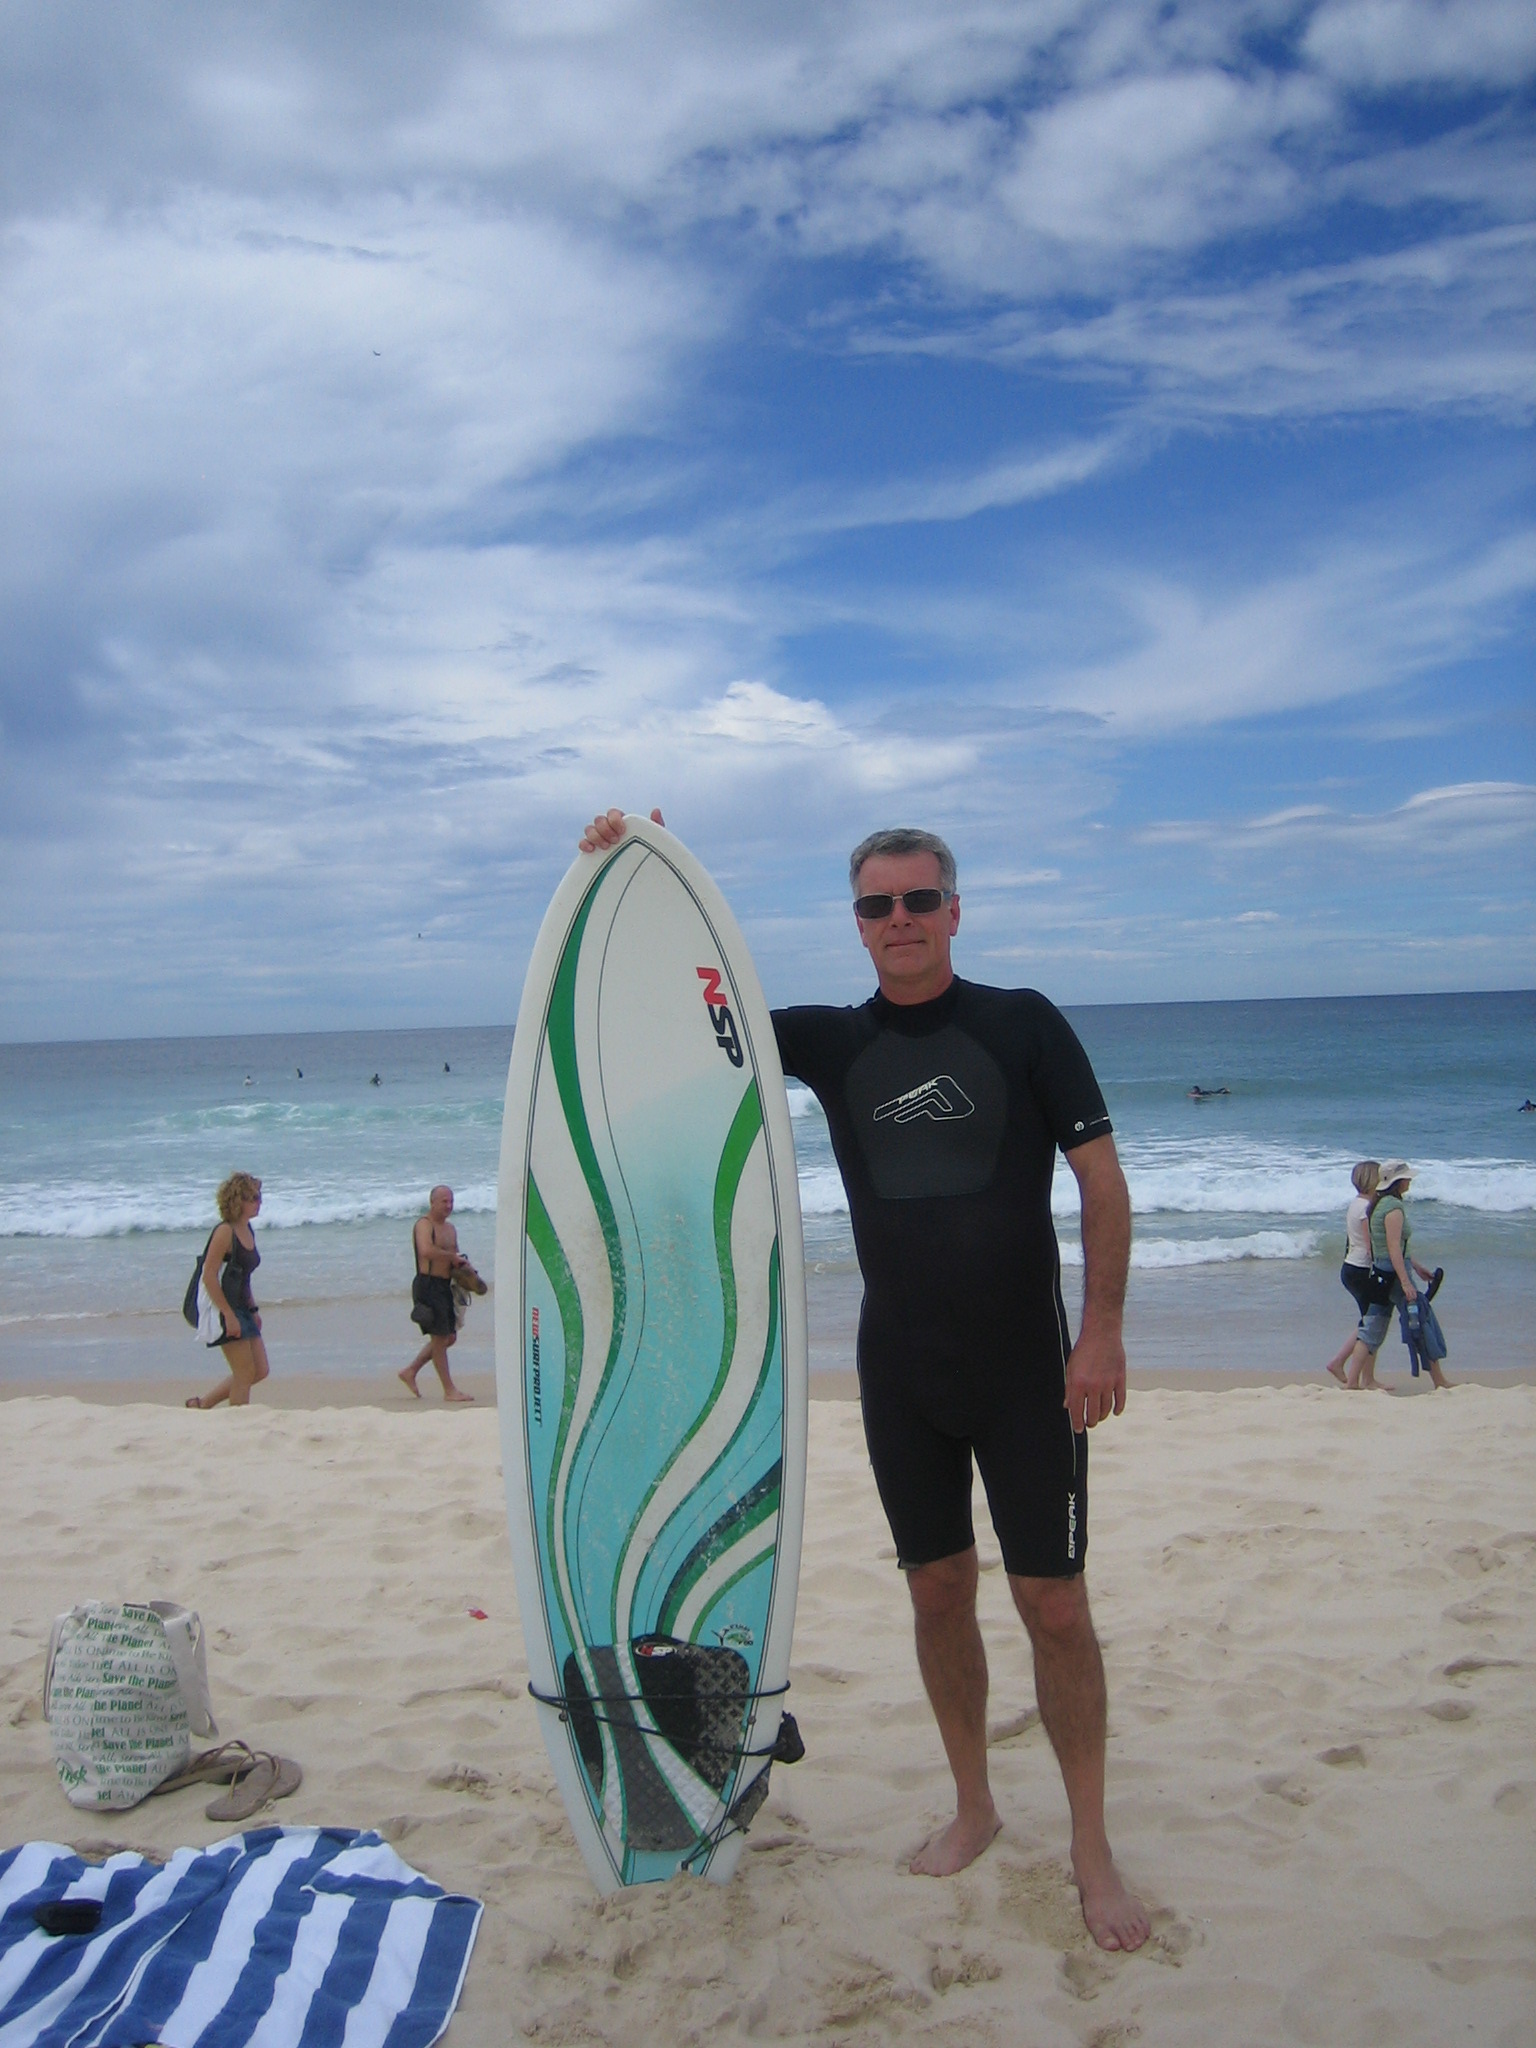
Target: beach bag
[
  {"x": 198, "y": 1310},
  {"x": 1383, "y": 1281},
  {"x": 210, "y": 1324},
  {"x": 125, "y": 1689}
]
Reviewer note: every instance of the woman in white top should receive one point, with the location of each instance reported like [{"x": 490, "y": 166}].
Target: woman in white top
[{"x": 1356, "y": 1269}]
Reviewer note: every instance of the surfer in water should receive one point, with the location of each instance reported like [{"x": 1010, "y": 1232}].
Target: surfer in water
[
  {"x": 947, "y": 1102},
  {"x": 439, "y": 1262}
]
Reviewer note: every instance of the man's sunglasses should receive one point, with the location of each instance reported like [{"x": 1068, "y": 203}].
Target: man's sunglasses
[{"x": 916, "y": 902}]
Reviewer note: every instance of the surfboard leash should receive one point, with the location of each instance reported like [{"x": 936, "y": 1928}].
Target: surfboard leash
[
  {"x": 588, "y": 1701},
  {"x": 787, "y": 1747}
]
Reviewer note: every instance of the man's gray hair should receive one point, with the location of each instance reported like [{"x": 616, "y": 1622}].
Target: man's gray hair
[{"x": 902, "y": 839}]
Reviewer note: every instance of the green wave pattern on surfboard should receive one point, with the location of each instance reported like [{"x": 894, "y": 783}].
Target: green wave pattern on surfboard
[{"x": 654, "y": 1400}]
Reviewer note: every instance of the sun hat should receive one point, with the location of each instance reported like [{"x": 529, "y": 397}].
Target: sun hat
[{"x": 1394, "y": 1169}]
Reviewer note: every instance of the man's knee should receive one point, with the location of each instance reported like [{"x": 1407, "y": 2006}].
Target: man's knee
[
  {"x": 1053, "y": 1608},
  {"x": 946, "y": 1586}
]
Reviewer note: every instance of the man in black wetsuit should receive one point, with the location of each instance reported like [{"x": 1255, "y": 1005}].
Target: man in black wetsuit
[{"x": 947, "y": 1102}]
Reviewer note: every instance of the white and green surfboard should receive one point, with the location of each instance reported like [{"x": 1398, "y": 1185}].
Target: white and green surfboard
[{"x": 651, "y": 1361}]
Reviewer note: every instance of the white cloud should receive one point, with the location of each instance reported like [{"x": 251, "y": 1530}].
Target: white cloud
[
  {"x": 383, "y": 351},
  {"x": 932, "y": 499},
  {"x": 1157, "y": 163},
  {"x": 1439, "y": 325},
  {"x": 757, "y": 715},
  {"x": 1379, "y": 44},
  {"x": 1361, "y": 615},
  {"x": 1458, "y": 821}
]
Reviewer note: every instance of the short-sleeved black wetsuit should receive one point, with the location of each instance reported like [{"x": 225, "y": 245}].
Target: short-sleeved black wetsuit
[{"x": 945, "y": 1118}]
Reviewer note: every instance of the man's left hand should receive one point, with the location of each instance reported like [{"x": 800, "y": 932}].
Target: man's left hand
[{"x": 1095, "y": 1378}]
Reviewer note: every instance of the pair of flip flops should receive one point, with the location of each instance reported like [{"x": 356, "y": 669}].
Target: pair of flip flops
[{"x": 252, "y": 1778}]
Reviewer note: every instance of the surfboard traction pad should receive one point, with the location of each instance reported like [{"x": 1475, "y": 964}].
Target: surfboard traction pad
[{"x": 698, "y": 1697}]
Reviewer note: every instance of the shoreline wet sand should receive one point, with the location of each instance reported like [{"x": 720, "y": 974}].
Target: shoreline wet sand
[{"x": 1243, "y": 1324}]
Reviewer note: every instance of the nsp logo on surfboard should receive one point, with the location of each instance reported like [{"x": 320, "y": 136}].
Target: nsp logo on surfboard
[{"x": 719, "y": 1014}]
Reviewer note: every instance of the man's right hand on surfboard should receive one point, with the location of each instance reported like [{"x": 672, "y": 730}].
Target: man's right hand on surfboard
[{"x": 607, "y": 829}]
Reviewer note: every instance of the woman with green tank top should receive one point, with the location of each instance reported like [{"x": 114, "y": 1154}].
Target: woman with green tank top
[{"x": 1390, "y": 1232}]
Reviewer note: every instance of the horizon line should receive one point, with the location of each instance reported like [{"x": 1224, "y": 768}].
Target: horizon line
[{"x": 1159, "y": 1003}]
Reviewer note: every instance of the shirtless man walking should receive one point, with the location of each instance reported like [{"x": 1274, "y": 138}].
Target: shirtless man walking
[
  {"x": 438, "y": 1260},
  {"x": 947, "y": 1102}
]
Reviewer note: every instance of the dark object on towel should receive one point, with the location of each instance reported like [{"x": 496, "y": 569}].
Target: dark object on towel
[{"x": 68, "y": 1916}]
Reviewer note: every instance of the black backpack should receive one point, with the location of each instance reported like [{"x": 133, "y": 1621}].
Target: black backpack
[{"x": 189, "y": 1299}]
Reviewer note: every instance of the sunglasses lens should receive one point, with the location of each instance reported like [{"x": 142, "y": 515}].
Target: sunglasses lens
[{"x": 917, "y": 903}]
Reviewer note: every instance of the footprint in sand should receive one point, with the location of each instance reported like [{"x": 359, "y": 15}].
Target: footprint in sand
[
  {"x": 1281, "y": 1785},
  {"x": 1450, "y": 1710},
  {"x": 1171, "y": 1939},
  {"x": 1462, "y": 1668},
  {"x": 956, "y": 1967},
  {"x": 1085, "y": 1974},
  {"x": 460, "y": 1778},
  {"x": 1349, "y": 1754}
]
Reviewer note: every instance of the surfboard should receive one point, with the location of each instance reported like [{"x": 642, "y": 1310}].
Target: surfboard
[{"x": 651, "y": 1361}]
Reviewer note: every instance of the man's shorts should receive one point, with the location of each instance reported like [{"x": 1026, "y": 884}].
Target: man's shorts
[
  {"x": 432, "y": 1305},
  {"x": 1034, "y": 1468}
]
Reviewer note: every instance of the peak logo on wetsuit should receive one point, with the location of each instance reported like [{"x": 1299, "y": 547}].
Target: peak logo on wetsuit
[
  {"x": 929, "y": 1112},
  {"x": 942, "y": 1099}
]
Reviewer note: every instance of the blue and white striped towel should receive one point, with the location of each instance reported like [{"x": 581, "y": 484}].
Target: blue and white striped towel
[{"x": 280, "y": 1938}]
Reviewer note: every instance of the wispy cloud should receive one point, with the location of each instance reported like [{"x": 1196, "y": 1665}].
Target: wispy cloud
[
  {"x": 1335, "y": 630},
  {"x": 1468, "y": 818}
]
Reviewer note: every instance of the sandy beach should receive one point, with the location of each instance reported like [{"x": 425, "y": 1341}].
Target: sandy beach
[{"x": 1318, "y": 1621}]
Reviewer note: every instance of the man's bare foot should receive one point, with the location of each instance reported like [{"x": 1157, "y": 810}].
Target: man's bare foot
[
  {"x": 952, "y": 1848},
  {"x": 408, "y": 1378},
  {"x": 1114, "y": 1916},
  {"x": 456, "y": 1394},
  {"x": 1338, "y": 1371}
]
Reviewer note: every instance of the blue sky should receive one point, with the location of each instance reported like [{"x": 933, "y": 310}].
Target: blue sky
[{"x": 1099, "y": 430}]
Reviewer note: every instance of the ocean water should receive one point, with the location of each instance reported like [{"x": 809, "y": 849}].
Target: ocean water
[{"x": 112, "y": 1151}]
